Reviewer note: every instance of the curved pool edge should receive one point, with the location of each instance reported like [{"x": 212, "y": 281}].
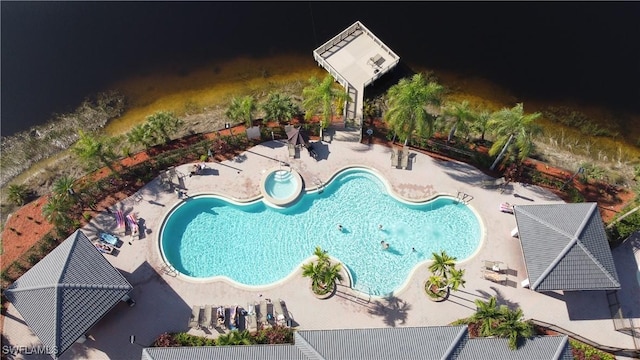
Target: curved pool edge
[{"x": 401, "y": 288}]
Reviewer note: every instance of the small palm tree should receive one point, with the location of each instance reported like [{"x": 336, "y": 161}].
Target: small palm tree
[
  {"x": 513, "y": 327},
  {"x": 161, "y": 124},
  {"x": 455, "y": 280},
  {"x": 442, "y": 263},
  {"x": 235, "y": 337},
  {"x": 481, "y": 123},
  {"x": 444, "y": 276},
  {"x": 488, "y": 314},
  {"x": 63, "y": 188},
  {"x": 95, "y": 151},
  {"x": 18, "y": 194},
  {"x": 279, "y": 107},
  {"x": 56, "y": 212},
  {"x": 142, "y": 134},
  {"x": 241, "y": 109},
  {"x": 322, "y": 273}
]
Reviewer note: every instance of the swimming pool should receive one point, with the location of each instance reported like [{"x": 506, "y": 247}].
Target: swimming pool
[{"x": 254, "y": 244}]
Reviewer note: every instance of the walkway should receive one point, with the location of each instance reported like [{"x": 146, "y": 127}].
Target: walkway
[{"x": 164, "y": 302}]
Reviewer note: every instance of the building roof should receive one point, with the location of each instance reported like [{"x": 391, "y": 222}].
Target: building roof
[
  {"x": 67, "y": 292},
  {"x": 435, "y": 342},
  {"x": 542, "y": 347},
  {"x": 565, "y": 247}
]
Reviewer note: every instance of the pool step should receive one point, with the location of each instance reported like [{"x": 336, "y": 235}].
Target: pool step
[{"x": 282, "y": 176}]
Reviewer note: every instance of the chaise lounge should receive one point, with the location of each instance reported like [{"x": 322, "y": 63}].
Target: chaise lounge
[
  {"x": 396, "y": 156},
  {"x": 250, "y": 319},
  {"x": 281, "y": 314},
  {"x": 205, "y": 322},
  {"x": 496, "y": 277},
  {"x": 194, "y": 320},
  {"x": 495, "y": 266}
]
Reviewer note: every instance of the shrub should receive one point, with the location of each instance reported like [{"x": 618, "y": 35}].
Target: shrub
[
  {"x": 165, "y": 340},
  {"x": 33, "y": 258},
  {"x": 274, "y": 335},
  {"x": 87, "y": 216},
  {"x": 587, "y": 352}
]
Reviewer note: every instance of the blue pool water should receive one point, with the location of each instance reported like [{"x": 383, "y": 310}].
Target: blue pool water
[
  {"x": 255, "y": 244},
  {"x": 281, "y": 184}
]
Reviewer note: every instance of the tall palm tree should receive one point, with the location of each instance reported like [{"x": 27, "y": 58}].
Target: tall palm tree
[
  {"x": 322, "y": 255},
  {"x": 513, "y": 124},
  {"x": 488, "y": 314},
  {"x": 322, "y": 97},
  {"x": 322, "y": 273},
  {"x": 279, "y": 107},
  {"x": 95, "y": 151},
  {"x": 462, "y": 116},
  {"x": 242, "y": 109},
  {"x": 513, "y": 327},
  {"x": 162, "y": 124},
  {"x": 408, "y": 101},
  {"x": 442, "y": 263},
  {"x": 235, "y": 337}
]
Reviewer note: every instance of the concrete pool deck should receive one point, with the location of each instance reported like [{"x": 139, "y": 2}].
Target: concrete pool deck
[{"x": 164, "y": 301}]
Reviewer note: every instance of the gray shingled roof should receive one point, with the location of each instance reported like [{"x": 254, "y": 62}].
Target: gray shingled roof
[
  {"x": 542, "y": 347},
  {"x": 288, "y": 352},
  {"x": 383, "y": 343},
  {"x": 67, "y": 292},
  {"x": 565, "y": 247},
  {"x": 425, "y": 343}
]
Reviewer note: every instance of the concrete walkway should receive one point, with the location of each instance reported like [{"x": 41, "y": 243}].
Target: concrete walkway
[{"x": 164, "y": 301}]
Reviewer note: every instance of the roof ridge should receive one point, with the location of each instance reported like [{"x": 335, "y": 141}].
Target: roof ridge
[
  {"x": 598, "y": 263},
  {"x": 455, "y": 344},
  {"x": 561, "y": 346}
]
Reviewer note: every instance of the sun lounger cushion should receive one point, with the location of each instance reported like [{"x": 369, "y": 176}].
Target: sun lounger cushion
[{"x": 108, "y": 238}]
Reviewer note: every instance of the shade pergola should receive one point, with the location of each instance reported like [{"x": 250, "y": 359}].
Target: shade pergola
[
  {"x": 565, "y": 247},
  {"x": 67, "y": 292}
]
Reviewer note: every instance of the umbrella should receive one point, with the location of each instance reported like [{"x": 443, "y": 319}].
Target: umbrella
[{"x": 297, "y": 137}]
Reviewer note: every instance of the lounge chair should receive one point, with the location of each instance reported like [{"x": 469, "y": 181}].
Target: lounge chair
[
  {"x": 103, "y": 248},
  {"x": 221, "y": 318},
  {"x": 292, "y": 150},
  {"x": 194, "y": 320},
  {"x": 395, "y": 158},
  {"x": 205, "y": 322},
  {"x": 250, "y": 319},
  {"x": 493, "y": 183},
  {"x": 108, "y": 238},
  {"x": 495, "y": 266},
  {"x": 233, "y": 318},
  {"x": 280, "y": 313},
  {"x": 121, "y": 222},
  {"x": 264, "y": 315},
  {"x": 404, "y": 159},
  {"x": 133, "y": 225},
  {"x": 506, "y": 208},
  {"x": 494, "y": 276}
]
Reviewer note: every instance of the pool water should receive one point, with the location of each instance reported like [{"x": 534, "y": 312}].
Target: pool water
[
  {"x": 281, "y": 184},
  {"x": 254, "y": 244}
]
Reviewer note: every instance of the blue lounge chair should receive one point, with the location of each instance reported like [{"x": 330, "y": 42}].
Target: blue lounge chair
[{"x": 109, "y": 238}]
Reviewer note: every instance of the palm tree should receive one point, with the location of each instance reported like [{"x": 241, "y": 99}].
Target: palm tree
[
  {"x": 481, "y": 123},
  {"x": 322, "y": 97},
  {"x": 242, "y": 109},
  {"x": 513, "y": 124},
  {"x": 142, "y": 134},
  {"x": 323, "y": 274},
  {"x": 279, "y": 107},
  {"x": 235, "y": 337},
  {"x": 488, "y": 314},
  {"x": 513, "y": 328},
  {"x": 95, "y": 151},
  {"x": 63, "y": 188},
  {"x": 56, "y": 211},
  {"x": 455, "y": 279},
  {"x": 407, "y": 112},
  {"x": 442, "y": 263},
  {"x": 462, "y": 116},
  {"x": 18, "y": 194},
  {"x": 163, "y": 123}
]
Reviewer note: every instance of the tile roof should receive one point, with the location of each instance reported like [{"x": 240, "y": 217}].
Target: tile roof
[
  {"x": 565, "y": 247},
  {"x": 425, "y": 343},
  {"x": 542, "y": 347},
  {"x": 67, "y": 292}
]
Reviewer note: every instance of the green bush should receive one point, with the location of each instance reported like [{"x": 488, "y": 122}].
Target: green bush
[
  {"x": 624, "y": 228},
  {"x": 184, "y": 339},
  {"x": 582, "y": 351}
]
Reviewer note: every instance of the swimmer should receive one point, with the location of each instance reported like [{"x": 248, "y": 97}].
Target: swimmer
[
  {"x": 380, "y": 227},
  {"x": 413, "y": 249},
  {"x": 339, "y": 227}
]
